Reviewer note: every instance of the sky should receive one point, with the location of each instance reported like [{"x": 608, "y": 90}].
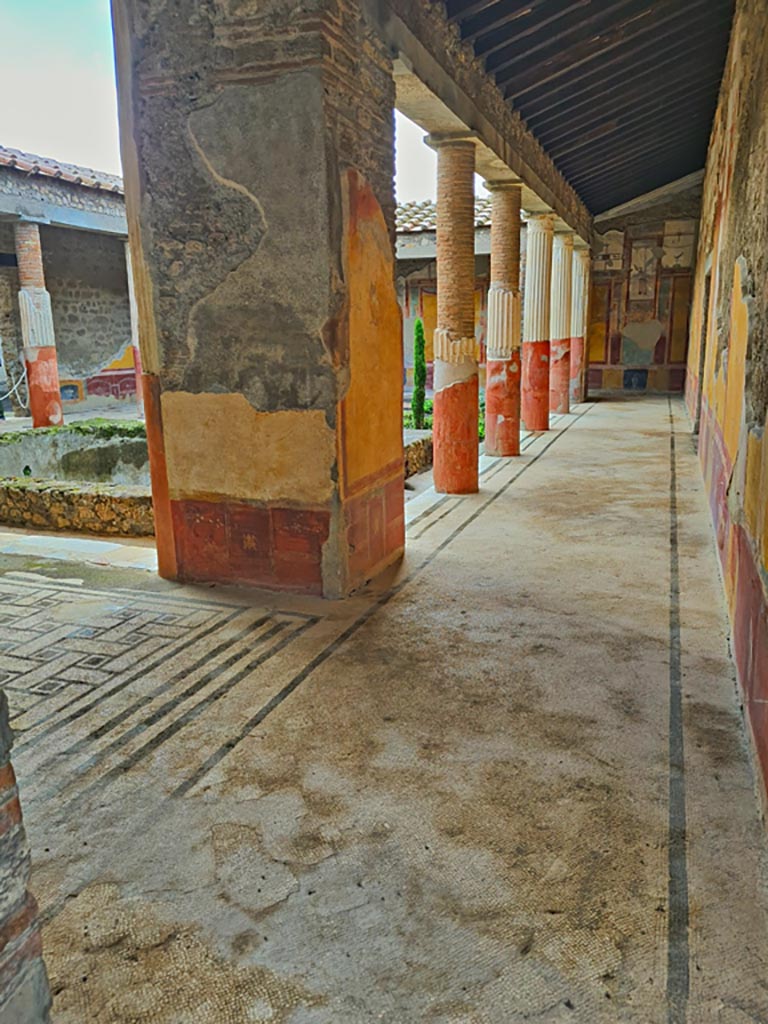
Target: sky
[{"x": 58, "y": 87}]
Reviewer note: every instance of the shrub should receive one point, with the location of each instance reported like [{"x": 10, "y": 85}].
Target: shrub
[{"x": 419, "y": 375}]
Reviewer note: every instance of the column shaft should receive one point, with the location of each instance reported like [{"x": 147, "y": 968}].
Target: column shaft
[
  {"x": 579, "y": 302},
  {"x": 38, "y": 339},
  {"x": 134, "y": 312},
  {"x": 455, "y": 434},
  {"x": 502, "y": 381},
  {"x": 560, "y": 323},
  {"x": 538, "y": 273}
]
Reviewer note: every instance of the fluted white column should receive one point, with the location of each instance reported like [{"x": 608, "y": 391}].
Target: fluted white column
[
  {"x": 579, "y": 304},
  {"x": 536, "y": 312},
  {"x": 560, "y": 323},
  {"x": 134, "y": 312}
]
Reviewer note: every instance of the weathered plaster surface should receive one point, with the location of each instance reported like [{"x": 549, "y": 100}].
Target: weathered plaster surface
[
  {"x": 728, "y": 377},
  {"x": 282, "y": 456}
]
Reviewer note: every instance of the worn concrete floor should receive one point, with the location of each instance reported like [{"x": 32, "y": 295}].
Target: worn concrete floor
[{"x": 447, "y": 800}]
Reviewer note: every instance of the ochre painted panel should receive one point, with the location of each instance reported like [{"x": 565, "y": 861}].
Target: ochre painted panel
[
  {"x": 220, "y": 446},
  {"x": 429, "y": 319},
  {"x": 371, "y": 412}
]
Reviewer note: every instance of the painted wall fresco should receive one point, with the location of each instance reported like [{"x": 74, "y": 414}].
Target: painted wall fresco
[
  {"x": 640, "y": 302},
  {"x": 727, "y": 370}
]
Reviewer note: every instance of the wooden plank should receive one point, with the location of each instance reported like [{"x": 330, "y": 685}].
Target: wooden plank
[
  {"x": 574, "y": 33},
  {"x": 599, "y": 48},
  {"x": 646, "y": 57},
  {"x": 657, "y": 82},
  {"x": 646, "y": 117}
]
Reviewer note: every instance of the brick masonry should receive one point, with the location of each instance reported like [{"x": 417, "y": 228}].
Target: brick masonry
[{"x": 24, "y": 992}]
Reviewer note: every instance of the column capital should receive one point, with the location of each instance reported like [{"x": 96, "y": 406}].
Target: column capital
[
  {"x": 442, "y": 140},
  {"x": 504, "y": 185},
  {"x": 564, "y": 239},
  {"x": 540, "y": 223}
]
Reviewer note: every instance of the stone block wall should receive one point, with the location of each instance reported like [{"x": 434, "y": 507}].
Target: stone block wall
[
  {"x": 24, "y": 992},
  {"x": 36, "y": 194},
  {"x": 86, "y": 276},
  {"x": 79, "y": 507}
]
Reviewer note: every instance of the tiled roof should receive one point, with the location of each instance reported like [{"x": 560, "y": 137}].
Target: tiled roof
[
  {"x": 422, "y": 216},
  {"x": 29, "y": 163}
]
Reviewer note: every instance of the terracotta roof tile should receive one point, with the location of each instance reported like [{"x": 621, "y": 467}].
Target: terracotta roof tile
[
  {"x": 422, "y": 216},
  {"x": 29, "y": 163}
]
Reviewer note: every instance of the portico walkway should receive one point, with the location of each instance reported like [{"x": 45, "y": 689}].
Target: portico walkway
[{"x": 449, "y": 799}]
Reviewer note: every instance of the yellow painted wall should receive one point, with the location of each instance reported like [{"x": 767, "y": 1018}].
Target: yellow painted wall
[{"x": 371, "y": 435}]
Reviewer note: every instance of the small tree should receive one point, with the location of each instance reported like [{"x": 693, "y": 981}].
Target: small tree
[{"x": 419, "y": 376}]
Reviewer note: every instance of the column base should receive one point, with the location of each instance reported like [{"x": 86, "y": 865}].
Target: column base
[
  {"x": 535, "y": 391},
  {"x": 454, "y": 437},
  {"x": 560, "y": 375},
  {"x": 43, "y": 385},
  {"x": 502, "y": 406}
]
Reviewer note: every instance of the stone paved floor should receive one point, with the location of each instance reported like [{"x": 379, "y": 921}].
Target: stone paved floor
[{"x": 446, "y": 800}]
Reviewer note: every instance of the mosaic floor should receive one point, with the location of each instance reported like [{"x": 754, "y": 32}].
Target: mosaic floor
[{"x": 453, "y": 799}]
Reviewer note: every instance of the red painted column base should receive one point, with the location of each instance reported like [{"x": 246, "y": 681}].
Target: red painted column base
[
  {"x": 559, "y": 375},
  {"x": 578, "y": 370},
  {"x": 43, "y": 384},
  {"x": 454, "y": 438},
  {"x": 535, "y": 390},
  {"x": 502, "y": 406}
]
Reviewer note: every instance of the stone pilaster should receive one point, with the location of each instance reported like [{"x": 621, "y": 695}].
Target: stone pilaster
[
  {"x": 502, "y": 381},
  {"x": 536, "y": 311},
  {"x": 134, "y": 312},
  {"x": 24, "y": 993},
  {"x": 263, "y": 266},
  {"x": 455, "y": 434},
  {"x": 38, "y": 339},
  {"x": 579, "y": 304},
  {"x": 560, "y": 323}
]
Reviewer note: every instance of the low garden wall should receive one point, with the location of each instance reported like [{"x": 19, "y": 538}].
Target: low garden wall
[
  {"x": 117, "y": 509},
  {"x": 106, "y": 451},
  {"x": 114, "y": 509}
]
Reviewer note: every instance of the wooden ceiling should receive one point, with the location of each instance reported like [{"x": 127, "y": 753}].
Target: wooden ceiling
[{"x": 621, "y": 93}]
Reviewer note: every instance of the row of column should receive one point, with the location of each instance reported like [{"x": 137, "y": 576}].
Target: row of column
[
  {"x": 528, "y": 377},
  {"x": 37, "y": 330}
]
